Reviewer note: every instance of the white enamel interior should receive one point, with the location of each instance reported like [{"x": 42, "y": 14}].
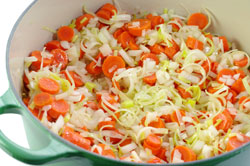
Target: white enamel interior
[{"x": 230, "y": 18}]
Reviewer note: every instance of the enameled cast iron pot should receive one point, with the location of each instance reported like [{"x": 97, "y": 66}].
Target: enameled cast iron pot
[{"x": 231, "y": 18}]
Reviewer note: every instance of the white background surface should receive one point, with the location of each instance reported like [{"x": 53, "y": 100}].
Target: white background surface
[{"x": 11, "y": 125}]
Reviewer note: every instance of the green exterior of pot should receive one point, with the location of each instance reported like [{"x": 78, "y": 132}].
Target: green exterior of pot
[{"x": 49, "y": 149}]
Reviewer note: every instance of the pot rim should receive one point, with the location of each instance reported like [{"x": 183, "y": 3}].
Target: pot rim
[{"x": 220, "y": 157}]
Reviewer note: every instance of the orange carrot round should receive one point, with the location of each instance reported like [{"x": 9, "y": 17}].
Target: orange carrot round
[
  {"x": 150, "y": 80},
  {"x": 226, "y": 121},
  {"x": 104, "y": 14},
  {"x": 172, "y": 50},
  {"x": 187, "y": 154},
  {"x": 37, "y": 64},
  {"x": 77, "y": 79},
  {"x": 60, "y": 58},
  {"x": 75, "y": 138},
  {"x": 93, "y": 69},
  {"x": 228, "y": 72},
  {"x": 65, "y": 33},
  {"x": 136, "y": 27},
  {"x": 174, "y": 118},
  {"x": 198, "y": 19},
  {"x": 193, "y": 43},
  {"x": 104, "y": 123},
  {"x": 225, "y": 43},
  {"x": 58, "y": 107},
  {"x": 42, "y": 99},
  {"x": 184, "y": 94},
  {"x": 156, "y": 20},
  {"x": 111, "y": 64},
  {"x": 234, "y": 142},
  {"x": 82, "y": 21},
  {"x": 151, "y": 56},
  {"x": 124, "y": 38},
  {"x": 53, "y": 44},
  {"x": 241, "y": 63},
  {"x": 49, "y": 85},
  {"x": 156, "y": 49},
  {"x": 155, "y": 160}
]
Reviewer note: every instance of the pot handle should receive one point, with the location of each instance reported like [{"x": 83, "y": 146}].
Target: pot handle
[{"x": 54, "y": 150}]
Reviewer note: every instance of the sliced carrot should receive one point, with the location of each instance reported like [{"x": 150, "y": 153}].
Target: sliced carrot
[
  {"x": 109, "y": 98},
  {"x": 149, "y": 16},
  {"x": 175, "y": 27},
  {"x": 174, "y": 117},
  {"x": 234, "y": 142},
  {"x": 156, "y": 20},
  {"x": 65, "y": 33},
  {"x": 155, "y": 160},
  {"x": 171, "y": 51},
  {"x": 226, "y": 121},
  {"x": 60, "y": 58},
  {"x": 132, "y": 45},
  {"x": 152, "y": 142},
  {"x": 232, "y": 99},
  {"x": 49, "y": 85},
  {"x": 242, "y": 99},
  {"x": 238, "y": 86},
  {"x": 117, "y": 33},
  {"x": 225, "y": 43},
  {"x": 126, "y": 142},
  {"x": 42, "y": 99},
  {"x": 214, "y": 66},
  {"x": 82, "y": 21},
  {"x": 137, "y": 26},
  {"x": 77, "y": 79},
  {"x": 193, "y": 43},
  {"x": 227, "y": 72},
  {"x": 162, "y": 154},
  {"x": 167, "y": 118},
  {"x": 156, "y": 124},
  {"x": 111, "y": 125},
  {"x": 184, "y": 94},
  {"x": 70, "y": 135},
  {"x": 124, "y": 38},
  {"x": 93, "y": 69},
  {"x": 111, "y": 64},
  {"x": 109, "y": 7},
  {"x": 58, "y": 107},
  {"x": 205, "y": 66},
  {"x": 53, "y": 44},
  {"x": 106, "y": 151},
  {"x": 150, "y": 80},
  {"x": 241, "y": 72},
  {"x": 82, "y": 98},
  {"x": 198, "y": 19},
  {"x": 37, "y": 64},
  {"x": 187, "y": 154},
  {"x": 156, "y": 49},
  {"x": 241, "y": 63},
  {"x": 232, "y": 115},
  {"x": 104, "y": 14},
  {"x": 91, "y": 104},
  {"x": 151, "y": 56}
]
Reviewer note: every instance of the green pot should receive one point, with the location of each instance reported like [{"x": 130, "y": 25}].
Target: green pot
[{"x": 27, "y": 34}]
